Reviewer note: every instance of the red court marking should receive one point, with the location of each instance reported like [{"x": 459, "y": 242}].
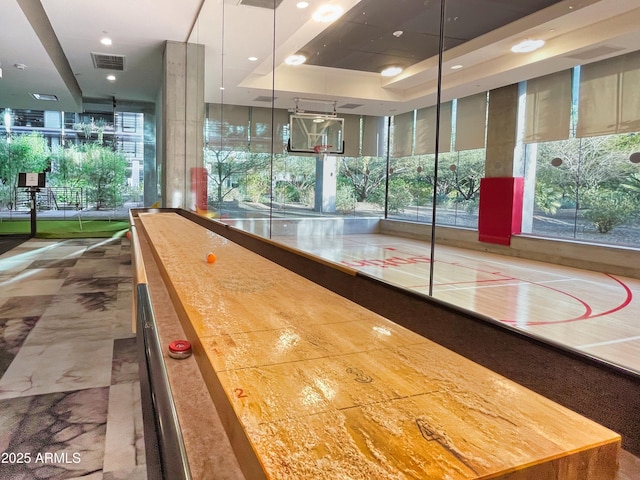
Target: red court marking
[{"x": 587, "y": 315}]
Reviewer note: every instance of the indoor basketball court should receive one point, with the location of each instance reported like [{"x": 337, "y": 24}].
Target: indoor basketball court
[{"x": 594, "y": 312}]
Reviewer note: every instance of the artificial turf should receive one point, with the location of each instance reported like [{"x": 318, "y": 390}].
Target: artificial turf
[{"x": 66, "y": 228}]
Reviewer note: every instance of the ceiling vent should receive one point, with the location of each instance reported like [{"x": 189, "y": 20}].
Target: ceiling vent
[
  {"x": 270, "y": 4},
  {"x": 596, "y": 52},
  {"x": 264, "y": 98},
  {"x": 350, "y": 106},
  {"x": 106, "y": 61}
]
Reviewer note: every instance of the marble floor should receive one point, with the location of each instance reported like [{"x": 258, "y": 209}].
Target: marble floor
[{"x": 69, "y": 388}]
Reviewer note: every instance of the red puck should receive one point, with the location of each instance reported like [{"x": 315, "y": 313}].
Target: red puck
[{"x": 179, "y": 349}]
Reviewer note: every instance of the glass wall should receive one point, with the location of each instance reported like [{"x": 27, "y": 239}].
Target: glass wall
[
  {"x": 586, "y": 185},
  {"x": 93, "y": 161},
  {"x": 414, "y": 147}
]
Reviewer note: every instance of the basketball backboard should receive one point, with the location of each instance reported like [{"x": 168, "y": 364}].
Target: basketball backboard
[{"x": 314, "y": 134}]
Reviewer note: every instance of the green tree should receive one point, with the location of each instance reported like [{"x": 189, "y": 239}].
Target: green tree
[
  {"x": 226, "y": 168},
  {"x": 632, "y": 185},
  {"x": 65, "y": 166},
  {"x": 365, "y": 174},
  {"x": 399, "y": 196},
  {"x": 26, "y": 153},
  {"x": 586, "y": 164},
  {"x": 608, "y": 209},
  {"x": 345, "y": 199},
  {"x": 255, "y": 184},
  {"x": 103, "y": 173},
  {"x": 463, "y": 171},
  {"x": 296, "y": 178}
]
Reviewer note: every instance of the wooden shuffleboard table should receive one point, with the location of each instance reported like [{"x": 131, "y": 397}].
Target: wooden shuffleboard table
[{"x": 310, "y": 385}]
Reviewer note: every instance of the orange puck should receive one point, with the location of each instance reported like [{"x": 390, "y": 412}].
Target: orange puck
[
  {"x": 211, "y": 257},
  {"x": 180, "y": 349}
]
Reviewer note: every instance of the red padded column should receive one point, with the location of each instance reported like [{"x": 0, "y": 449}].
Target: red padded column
[
  {"x": 500, "y": 213},
  {"x": 199, "y": 189}
]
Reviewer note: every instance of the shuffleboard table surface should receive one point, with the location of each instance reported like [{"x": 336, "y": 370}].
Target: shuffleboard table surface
[{"x": 322, "y": 388}]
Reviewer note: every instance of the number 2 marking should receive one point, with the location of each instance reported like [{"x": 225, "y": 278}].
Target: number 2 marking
[{"x": 240, "y": 393}]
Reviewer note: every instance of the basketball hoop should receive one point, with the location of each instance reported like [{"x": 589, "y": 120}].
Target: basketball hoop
[{"x": 322, "y": 148}]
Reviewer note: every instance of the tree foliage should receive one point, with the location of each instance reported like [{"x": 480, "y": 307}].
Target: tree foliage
[
  {"x": 226, "y": 167},
  {"x": 365, "y": 174},
  {"x": 22, "y": 153},
  {"x": 295, "y": 178},
  {"x": 103, "y": 173},
  {"x": 593, "y": 175}
]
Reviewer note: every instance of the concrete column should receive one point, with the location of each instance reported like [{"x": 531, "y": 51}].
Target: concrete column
[
  {"x": 501, "y": 131},
  {"x": 150, "y": 193},
  {"x": 326, "y": 184},
  {"x": 502, "y": 189},
  {"x": 182, "y": 121}
]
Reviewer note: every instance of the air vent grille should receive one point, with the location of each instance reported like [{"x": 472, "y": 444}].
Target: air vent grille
[
  {"x": 350, "y": 106},
  {"x": 270, "y": 4},
  {"x": 108, "y": 62},
  {"x": 264, "y": 98},
  {"x": 596, "y": 52}
]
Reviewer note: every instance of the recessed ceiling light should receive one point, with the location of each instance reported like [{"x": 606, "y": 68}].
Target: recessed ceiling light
[
  {"x": 398, "y": 33},
  {"x": 302, "y": 4},
  {"x": 105, "y": 41},
  {"x": 253, "y": 59},
  {"x": 20, "y": 66},
  {"x": 111, "y": 78},
  {"x": 295, "y": 60},
  {"x": 456, "y": 67},
  {"x": 526, "y": 46},
  {"x": 327, "y": 13},
  {"x": 391, "y": 71},
  {"x": 45, "y": 96}
]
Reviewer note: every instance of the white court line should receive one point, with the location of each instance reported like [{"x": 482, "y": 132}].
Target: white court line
[
  {"x": 471, "y": 285},
  {"x": 609, "y": 342},
  {"x": 473, "y": 259},
  {"x": 506, "y": 264},
  {"x": 452, "y": 286}
]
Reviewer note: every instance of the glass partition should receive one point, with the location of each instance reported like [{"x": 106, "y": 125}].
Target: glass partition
[
  {"x": 468, "y": 140},
  {"x": 586, "y": 179},
  {"x": 93, "y": 161}
]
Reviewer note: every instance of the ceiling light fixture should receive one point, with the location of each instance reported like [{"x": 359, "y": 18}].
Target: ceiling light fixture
[
  {"x": 295, "y": 60},
  {"x": 528, "y": 45},
  {"x": 45, "y": 96},
  {"x": 398, "y": 33},
  {"x": 111, "y": 78},
  {"x": 106, "y": 41},
  {"x": 391, "y": 71},
  {"x": 253, "y": 59},
  {"x": 456, "y": 67},
  {"x": 302, "y": 4},
  {"x": 327, "y": 13}
]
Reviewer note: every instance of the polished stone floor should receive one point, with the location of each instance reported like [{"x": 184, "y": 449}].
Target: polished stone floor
[{"x": 69, "y": 388}]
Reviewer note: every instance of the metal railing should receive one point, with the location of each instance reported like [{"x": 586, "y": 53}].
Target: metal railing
[
  {"x": 165, "y": 452},
  {"x": 51, "y": 198}
]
